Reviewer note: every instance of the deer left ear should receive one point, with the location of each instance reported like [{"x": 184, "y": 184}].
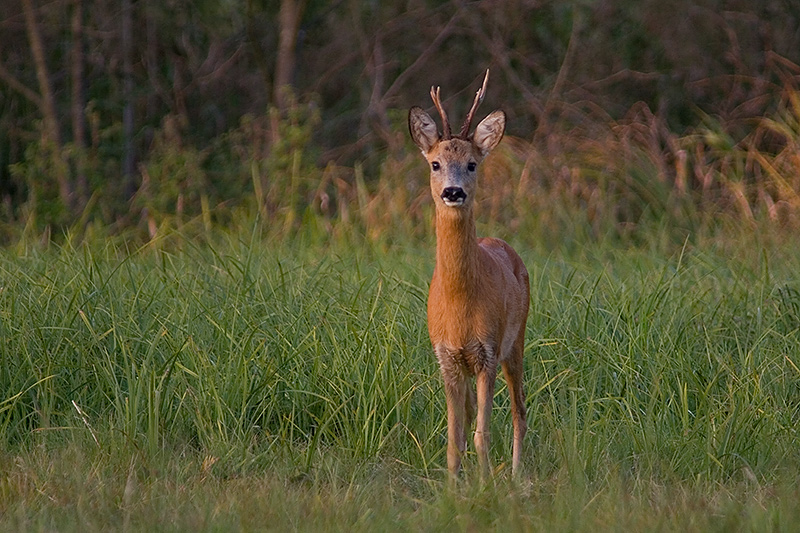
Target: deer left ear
[{"x": 489, "y": 132}]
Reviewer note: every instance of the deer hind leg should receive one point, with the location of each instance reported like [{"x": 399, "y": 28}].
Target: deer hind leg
[
  {"x": 485, "y": 385},
  {"x": 514, "y": 373}
]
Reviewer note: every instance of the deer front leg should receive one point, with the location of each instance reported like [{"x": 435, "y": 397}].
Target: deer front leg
[
  {"x": 455, "y": 393},
  {"x": 485, "y": 386},
  {"x": 471, "y": 401},
  {"x": 455, "y": 389}
]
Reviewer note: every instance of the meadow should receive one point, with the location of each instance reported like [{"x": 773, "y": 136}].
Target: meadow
[
  {"x": 239, "y": 380},
  {"x": 216, "y": 243}
]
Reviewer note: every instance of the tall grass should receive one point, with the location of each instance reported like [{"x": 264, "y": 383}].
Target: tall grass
[
  {"x": 220, "y": 347},
  {"x": 220, "y": 372}
]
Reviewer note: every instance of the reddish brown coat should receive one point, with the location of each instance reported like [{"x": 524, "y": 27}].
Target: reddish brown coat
[{"x": 479, "y": 294}]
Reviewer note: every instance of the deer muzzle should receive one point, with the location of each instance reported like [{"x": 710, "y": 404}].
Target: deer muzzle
[{"x": 453, "y": 196}]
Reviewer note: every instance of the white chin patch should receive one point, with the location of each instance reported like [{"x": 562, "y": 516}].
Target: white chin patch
[{"x": 451, "y": 203}]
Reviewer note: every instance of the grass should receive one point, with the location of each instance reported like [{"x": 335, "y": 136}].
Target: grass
[{"x": 242, "y": 382}]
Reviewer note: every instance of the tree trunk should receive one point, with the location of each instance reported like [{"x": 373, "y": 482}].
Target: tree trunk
[
  {"x": 51, "y": 134},
  {"x": 129, "y": 187},
  {"x": 259, "y": 56},
  {"x": 289, "y": 20},
  {"x": 78, "y": 104}
]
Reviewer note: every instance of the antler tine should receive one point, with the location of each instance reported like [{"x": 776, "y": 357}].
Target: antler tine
[
  {"x": 478, "y": 99},
  {"x": 435, "y": 91}
]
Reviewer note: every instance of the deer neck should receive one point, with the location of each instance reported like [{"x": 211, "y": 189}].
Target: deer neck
[{"x": 456, "y": 251}]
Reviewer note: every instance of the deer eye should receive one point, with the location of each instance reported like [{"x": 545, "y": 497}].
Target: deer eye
[
  {"x": 435, "y": 166},
  {"x": 471, "y": 166}
]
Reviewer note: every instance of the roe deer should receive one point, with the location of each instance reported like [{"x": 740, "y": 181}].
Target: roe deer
[{"x": 478, "y": 299}]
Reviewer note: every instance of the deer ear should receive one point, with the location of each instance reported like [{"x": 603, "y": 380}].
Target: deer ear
[
  {"x": 489, "y": 132},
  {"x": 423, "y": 129}
]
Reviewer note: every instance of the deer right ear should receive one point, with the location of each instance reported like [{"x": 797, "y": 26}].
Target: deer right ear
[{"x": 423, "y": 129}]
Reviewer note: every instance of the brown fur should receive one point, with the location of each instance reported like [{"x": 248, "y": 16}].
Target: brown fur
[{"x": 479, "y": 294}]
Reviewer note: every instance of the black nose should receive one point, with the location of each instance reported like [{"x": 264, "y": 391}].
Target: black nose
[{"x": 454, "y": 195}]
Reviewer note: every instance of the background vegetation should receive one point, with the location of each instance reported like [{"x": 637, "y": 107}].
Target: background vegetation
[
  {"x": 139, "y": 115},
  {"x": 217, "y": 242}
]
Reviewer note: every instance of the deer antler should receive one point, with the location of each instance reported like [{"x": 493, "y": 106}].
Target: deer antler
[
  {"x": 478, "y": 99},
  {"x": 438, "y": 103}
]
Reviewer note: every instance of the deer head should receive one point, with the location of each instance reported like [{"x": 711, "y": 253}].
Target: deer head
[{"x": 454, "y": 160}]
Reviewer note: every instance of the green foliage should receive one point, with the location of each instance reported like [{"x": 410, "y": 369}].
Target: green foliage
[
  {"x": 174, "y": 182},
  {"x": 286, "y": 180},
  {"x": 236, "y": 364},
  {"x": 266, "y": 163},
  {"x": 43, "y": 162}
]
